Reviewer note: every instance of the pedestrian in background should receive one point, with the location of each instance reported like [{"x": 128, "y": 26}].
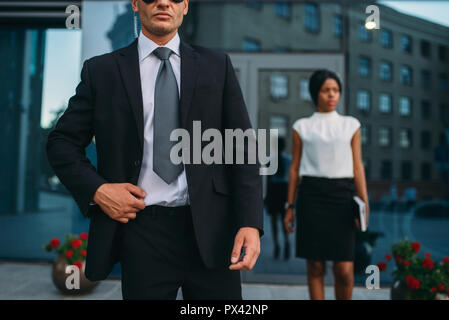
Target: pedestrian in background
[
  {"x": 327, "y": 156},
  {"x": 277, "y": 187}
]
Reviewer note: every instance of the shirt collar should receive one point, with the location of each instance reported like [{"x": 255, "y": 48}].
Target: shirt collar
[
  {"x": 146, "y": 45},
  {"x": 325, "y": 115}
]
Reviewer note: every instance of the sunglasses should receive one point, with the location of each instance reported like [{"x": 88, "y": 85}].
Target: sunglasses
[{"x": 151, "y": 1}]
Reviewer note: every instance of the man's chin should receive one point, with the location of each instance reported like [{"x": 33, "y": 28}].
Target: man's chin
[{"x": 161, "y": 30}]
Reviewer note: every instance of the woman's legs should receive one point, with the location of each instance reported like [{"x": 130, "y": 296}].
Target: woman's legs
[
  {"x": 344, "y": 279},
  {"x": 315, "y": 278}
]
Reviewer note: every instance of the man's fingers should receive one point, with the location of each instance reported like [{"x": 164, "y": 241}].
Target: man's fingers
[
  {"x": 123, "y": 220},
  {"x": 248, "y": 262},
  {"x": 139, "y": 204},
  {"x": 238, "y": 243},
  {"x": 129, "y": 215},
  {"x": 136, "y": 190}
]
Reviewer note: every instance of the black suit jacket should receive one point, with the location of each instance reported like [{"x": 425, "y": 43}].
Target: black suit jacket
[{"x": 108, "y": 105}]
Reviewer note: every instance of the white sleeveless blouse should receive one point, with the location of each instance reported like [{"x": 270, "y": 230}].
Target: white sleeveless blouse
[{"x": 326, "y": 144}]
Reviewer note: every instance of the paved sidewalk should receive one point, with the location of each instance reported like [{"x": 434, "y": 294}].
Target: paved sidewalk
[{"x": 32, "y": 281}]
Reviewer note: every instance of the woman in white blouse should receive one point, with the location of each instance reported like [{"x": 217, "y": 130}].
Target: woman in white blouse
[{"x": 327, "y": 156}]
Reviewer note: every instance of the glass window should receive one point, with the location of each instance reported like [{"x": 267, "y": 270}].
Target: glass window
[
  {"x": 443, "y": 82},
  {"x": 426, "y": 109},
  {"x": 312, "y": 17},
  {"x": 386, "y": 169},
  {"x": 279, "y": 86},
  {"x": 365, "y": 134},
  {"x": 338, "y": 25},
  {"x": 426, "y": 79},
  {"x": 406, "y": 43},
  {"x": 425, "y": 48},
  {"x": 405, "y": 106},
  {"x": 364, "y": 66},
  {"x": 364, "y": 100},
  {"x": 364, "y": 33},
  {"x": 304, "y": 93},
  {"x": 280, "y": 123},
  {"x": 426, "y": 140},
  {"x": 386, "y": 38},
  {"x": 250, "y": 45},
  {"x": 406, "y": 75},
  {"x": 406, "y": 170},
  {"x": 283, "y": 9},
  {"x": 386, "y": 71},
  {"x": 442, "y": 52},
  {"x": 426, "y": 171},
  {"x": 384, "y": 137},
  {"x": 405, "y": 138},
  {"x": 254, "y": 4},
  {"x": 385, "y": 103}
]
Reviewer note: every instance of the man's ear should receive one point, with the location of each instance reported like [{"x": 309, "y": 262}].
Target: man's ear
[
  {"x": 186, "y": 9},
  {"x": 135, "y": 5}
]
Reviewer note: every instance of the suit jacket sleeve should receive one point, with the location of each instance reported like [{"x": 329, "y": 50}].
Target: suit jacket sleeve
[
  {"x": 246, "y": 182},
  {"x": 67, "y": 142}
]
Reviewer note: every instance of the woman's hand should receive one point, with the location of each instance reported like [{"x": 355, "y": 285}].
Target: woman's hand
[{"x": 289, "y": 221}]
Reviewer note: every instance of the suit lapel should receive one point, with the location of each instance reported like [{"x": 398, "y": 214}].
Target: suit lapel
[
  {"x": 189, "y": 72},
  {"x": 128, "y": 61}
]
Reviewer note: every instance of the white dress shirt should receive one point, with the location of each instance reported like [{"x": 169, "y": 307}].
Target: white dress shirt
[
  {"x": 326, "y": 144},
  {"x": 157, "y": 190}
]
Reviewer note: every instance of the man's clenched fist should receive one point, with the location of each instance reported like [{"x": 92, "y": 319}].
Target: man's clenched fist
[{"x": 120, "y": 201}]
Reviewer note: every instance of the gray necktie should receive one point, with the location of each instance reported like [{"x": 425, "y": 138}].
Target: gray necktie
[{"x": 166, "y": 118}]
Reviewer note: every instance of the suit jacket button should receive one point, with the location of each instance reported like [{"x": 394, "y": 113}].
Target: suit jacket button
[{"x": 137, "y": 163}]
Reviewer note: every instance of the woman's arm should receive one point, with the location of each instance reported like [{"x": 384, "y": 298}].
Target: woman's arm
[
  {"x": 293, "y": 180},
  {"x": 359, "y": 170}
]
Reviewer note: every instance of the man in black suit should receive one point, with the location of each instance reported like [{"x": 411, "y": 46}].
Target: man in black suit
[{"x": 169, "y": 225}]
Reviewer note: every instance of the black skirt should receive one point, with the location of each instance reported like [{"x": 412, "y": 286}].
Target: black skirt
[{"x": 325, "y": 226}]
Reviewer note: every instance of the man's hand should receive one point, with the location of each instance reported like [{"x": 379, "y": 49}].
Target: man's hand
[
  {"x": 289, "y": 221},
  {"x": 249, "y": 239},
  {"x": 120, "y": 201}
]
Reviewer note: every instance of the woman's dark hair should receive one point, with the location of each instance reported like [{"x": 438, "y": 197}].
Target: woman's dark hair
[{"x": 316, "y": 82}]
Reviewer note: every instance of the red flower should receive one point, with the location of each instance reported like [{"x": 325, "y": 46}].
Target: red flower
[
  {"x": 434, "y": 289},
  {"x": 79, "y": 264},
  {"x": 84, "y": 236},
  {"x": 441, "y": 287},
  {"x": 83, "y": 253},
  {"x": 446, "y": 259},
  {"x": 76, "y": 243},
  {"x": 388, "y": 257},
  {"x": 412, "y": 283},
  {"x": 69, "y": 254},
  {"x": 54, "y": 243},
  {"x": 427, "y": 263},
  {"x": 406, "y": 263},
  {"x": 382, "y": 266},
  {"x": 416, "y": 246},
  {"x": 427, "y": 254},
  {"x": 397, "y": 258}
]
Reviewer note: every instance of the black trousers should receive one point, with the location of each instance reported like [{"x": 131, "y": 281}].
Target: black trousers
[{"x": 159, "y": 254}]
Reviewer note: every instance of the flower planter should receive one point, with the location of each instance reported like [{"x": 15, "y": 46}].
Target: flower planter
[
  {"x": 59, "y": 278},
  {"x": 398, "y": 291}
]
